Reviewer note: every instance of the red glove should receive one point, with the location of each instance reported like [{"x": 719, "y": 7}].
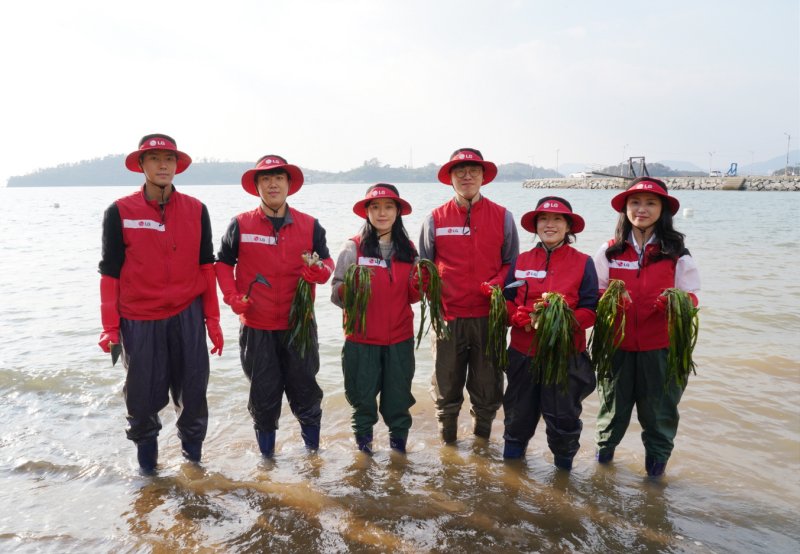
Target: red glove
[
  {"x": 215, "y": 334},
  {"x": 422, "y": 272},
  {"x": 522, "y": 317},
  {"x": 661, "y": 303},
  {"x": 626, "y": 301},
  {"x": 238, "y": 303},
  {"x": 318, "y": 274},
  {"x": 486, "y": 288},
  {"x": 211, "y": 308},
  {"x": 230, "y": 294},
  {"x": 109, "y": 312},
  {"x": 585, "y": 317}
]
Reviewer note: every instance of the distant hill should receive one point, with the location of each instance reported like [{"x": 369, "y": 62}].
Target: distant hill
[
  {"x": 110, "y": 170},
  {"x": 678, "y": 165},
  {"x": 653, "y": 169},
  {"x": 768, "y": 167}
]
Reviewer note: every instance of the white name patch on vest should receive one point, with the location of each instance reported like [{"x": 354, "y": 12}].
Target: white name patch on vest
[
  {"x": 623, "y": 264},
  {"x": 143, "y": 224},
  {"x": 452, "y": 231},
  {"x": 372, "y": 262},
  {"x": 530, "y": 274},
  {"x": 259, "y": 239}
]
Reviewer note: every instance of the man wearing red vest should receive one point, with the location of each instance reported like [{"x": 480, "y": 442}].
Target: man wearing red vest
[
  {"x": 472, "y": 241},
  {"x": 269, "y": 242},
  {"x": 157, "y": 294}
]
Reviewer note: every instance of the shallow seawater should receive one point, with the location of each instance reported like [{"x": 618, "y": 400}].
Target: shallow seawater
[{"x": 70, "y": 481}]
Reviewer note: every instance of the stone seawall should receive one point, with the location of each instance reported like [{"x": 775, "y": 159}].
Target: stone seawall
[{"x": 790, "y": 183}]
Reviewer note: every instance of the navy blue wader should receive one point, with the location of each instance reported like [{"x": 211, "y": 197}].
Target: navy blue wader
[
  {"x": 163, "y": 357},
  {"x": 273, "y": 367},
  {"x": 527, "y": 399}
]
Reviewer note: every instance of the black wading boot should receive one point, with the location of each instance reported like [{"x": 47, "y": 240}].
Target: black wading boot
[
  {"x": 192, "y": 451},
  {"x": 364, "y": 443},
  {"x": 310, "y": 434},
  {"x": 266, "y": 442},
  {"x": 147, "y": 455}
]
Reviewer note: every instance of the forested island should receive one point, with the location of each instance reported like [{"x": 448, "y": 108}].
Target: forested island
[{"x": 110, "y": 170}]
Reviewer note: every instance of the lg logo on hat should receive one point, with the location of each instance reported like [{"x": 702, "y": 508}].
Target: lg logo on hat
[
  {"x": 378, "y": 192},
  {"x": 550, "y": 205},
  {"x": 158, "y": 143}
]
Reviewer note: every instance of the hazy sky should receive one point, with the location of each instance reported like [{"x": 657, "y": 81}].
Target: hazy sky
[{"x": 329, "y": 84}]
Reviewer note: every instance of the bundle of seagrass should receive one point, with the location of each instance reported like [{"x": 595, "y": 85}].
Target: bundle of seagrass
[
  {"x": 496, "y": 345},
  {"x": 554, "y": 326},
  {"x": 301, "y": 313},
  {"x": 683, "y": 325},
  {"x": 357, "y": 280},
  {"x": 431, "y": 301},
  {"x": 609, "y": 327}
]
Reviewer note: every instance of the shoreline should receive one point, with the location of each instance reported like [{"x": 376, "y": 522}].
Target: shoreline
[{"x": 750, "y": 183}]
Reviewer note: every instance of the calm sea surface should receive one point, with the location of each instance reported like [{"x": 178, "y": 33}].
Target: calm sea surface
[{"x": 70, "y": 481}]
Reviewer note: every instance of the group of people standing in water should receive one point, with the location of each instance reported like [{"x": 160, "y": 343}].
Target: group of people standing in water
[{"x": 158, "y": 290}]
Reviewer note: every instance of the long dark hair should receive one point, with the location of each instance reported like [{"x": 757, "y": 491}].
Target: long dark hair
[
  {"x": 670, "y": 241},
  {"x": 404, "y": 251}
]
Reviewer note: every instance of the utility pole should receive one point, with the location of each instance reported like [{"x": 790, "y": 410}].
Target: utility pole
[
  {"x": 788, "y": 142},
  {"x": 710, "y": 162}
]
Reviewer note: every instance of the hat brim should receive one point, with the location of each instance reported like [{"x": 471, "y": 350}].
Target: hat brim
[
  {"x": 295, "y": 178},
  {"x": 360, "y": 207},
  {"x": 132, "y": 161},
  {"x": 619, "y": 201},
  {"x": 489, "y": 171},
  {"x": 528, "y": 221}
]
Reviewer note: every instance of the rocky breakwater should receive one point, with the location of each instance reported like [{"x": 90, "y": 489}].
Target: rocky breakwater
[{"x": 786, "y": 184}]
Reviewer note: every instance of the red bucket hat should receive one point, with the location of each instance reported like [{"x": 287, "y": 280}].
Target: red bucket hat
[
  {"x": 646, "y": 184},
  {"x": 468, "y": 155},
  {"x": 553, "y": 205},
  {"x": 157, "y": 142},
  {"x": 266, "y": 163},
  {"x": 380, "y": 190}
]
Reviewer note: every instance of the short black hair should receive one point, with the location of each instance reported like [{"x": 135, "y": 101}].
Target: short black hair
[{"x": 276, "y": 171}]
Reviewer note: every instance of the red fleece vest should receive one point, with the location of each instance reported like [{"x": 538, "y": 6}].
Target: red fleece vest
[
  {"x": 467, "y": 257},
  {"x": 161, "y": 273},
  {"x": 390, "y": 319},
  {"x": 563, "y": 275},
  {"x": 278, "y": 257},
  {"x": 645, "y": 325}
]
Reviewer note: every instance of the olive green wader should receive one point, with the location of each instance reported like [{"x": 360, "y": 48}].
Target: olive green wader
[
  {"x": 370, "y": 370},
  {"x": 638, "y": 378},
  {"x": 462, "y": 360}
]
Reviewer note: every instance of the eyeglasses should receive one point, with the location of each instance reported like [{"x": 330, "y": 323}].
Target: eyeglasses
[{"x": 474, "y": 171}]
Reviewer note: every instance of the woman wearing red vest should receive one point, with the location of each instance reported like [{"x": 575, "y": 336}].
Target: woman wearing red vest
[
  {"x": 551, "y": 266},
  {"x": 269, "y": 241},
  {"x": 379, "y": 360},
  {"x": 649, "y": 255}
]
